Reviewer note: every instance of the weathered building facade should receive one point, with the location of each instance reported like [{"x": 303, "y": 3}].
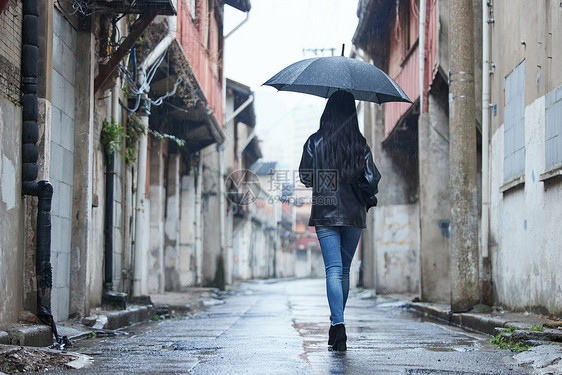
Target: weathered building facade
[
  {"x": 123, "y": 131},
  {"x": 413, "y": 211},
  {"x": 12, "y": 207},
  {"x": 518, "y": 164},
  {"x": 525, "y": 158}
]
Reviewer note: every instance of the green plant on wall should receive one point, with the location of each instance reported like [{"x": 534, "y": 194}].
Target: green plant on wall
[
  {"x": 113, "y": 133},
  {"x": 135, "y": 129},
  {"x": 112, "y": 137},
  {"x": 180, "y": 142}
]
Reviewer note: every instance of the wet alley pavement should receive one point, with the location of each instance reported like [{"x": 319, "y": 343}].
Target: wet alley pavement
[{"x": 281, "y": 328}]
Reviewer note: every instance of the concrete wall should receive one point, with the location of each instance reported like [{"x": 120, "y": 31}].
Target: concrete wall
[
  {"x": 188, "y": 275},
  {"x": 62, "y": 159},
  {"x": 286, "y": 261},
  {"x": 397, "y": 244},
  {"x": 524, "y": 220},
  {"x": 212, "y": 244},
  {"x": 435, "y": 202},
  {"x": 118, "y": 225},
  {"x": 11, "y": 204},
  {"x": 241, "y": 250},
  {"x": 11, "y": 212},
  {"x": 172, "y": 225},
  {"x": 367, "y": 114},
  {"x": 10, "y": 50},
  {"x": 82, "y": 277},
  {"x": 128, "y": 217},
  {"x": 525, "y": 226},
  {"x": 155, "y": 256},
  {"x": 97, "y": 266},
  {"x": 541, "y": 33}
]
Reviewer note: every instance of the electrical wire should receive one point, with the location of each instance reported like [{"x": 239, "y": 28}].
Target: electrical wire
[
  {"x": 176, "y": 107},
  {"x": 158, "y": 101},
  {"x": 83, "y": 7},
  {"x": 145, "y": 86}
]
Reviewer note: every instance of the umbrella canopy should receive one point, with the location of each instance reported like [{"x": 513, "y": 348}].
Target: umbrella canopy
[{"x": 322, "y": 76}]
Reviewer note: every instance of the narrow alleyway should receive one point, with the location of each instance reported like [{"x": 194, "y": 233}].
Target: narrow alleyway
[{"x": 281, "y": 328}]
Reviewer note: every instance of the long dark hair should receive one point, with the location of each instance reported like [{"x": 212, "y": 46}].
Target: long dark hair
[{"x": 344, "y": 145}]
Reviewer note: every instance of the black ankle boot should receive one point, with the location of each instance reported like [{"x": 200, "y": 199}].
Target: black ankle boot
[
  {"x": 340, "y": 341},
  {"x": 331, "y": 335}
]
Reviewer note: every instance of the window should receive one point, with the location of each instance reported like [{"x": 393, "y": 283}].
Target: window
[
  {"x": 514, "y": 124},
  {"x": 553, "y": 129}
]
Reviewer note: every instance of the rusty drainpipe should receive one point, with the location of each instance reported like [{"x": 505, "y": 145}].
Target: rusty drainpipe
[{"x": 43, "y": 190}]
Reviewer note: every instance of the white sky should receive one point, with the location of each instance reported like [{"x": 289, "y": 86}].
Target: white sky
[{"x": 273, "y": 37}]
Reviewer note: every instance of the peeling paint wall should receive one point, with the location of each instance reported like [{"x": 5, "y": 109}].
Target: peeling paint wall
[
  {"x": 210, "y": 213},
  {"x": 172, "y": 225},
  {"x": 241, "y": 249},
  {"x": 155, "y": 256},
  {"x": 11, "y": 213},
  {"x": 188, "y": 275},
  {"x": 397, "y": 243},
  {"x": 435, "y": 201},
  {"x": 525, "y": 236},
  {"x": 525, "y": 226}
]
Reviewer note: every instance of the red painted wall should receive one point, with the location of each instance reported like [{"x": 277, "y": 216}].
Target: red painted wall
[
  {"x": 199, "y": 39},
  {"x": 403, "y": 63}
]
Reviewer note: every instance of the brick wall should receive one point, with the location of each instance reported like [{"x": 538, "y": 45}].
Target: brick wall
[{"x": 10, "y": 50}]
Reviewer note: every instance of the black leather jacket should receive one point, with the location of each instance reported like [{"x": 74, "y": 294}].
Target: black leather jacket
[{"x": 334, "y": 202}]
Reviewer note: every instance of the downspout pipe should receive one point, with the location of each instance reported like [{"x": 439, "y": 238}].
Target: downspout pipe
[
  {"x": 485, "y": 127},
  {"x": 108, "y": 222},
  {"x": 421, "y": 54},
  {"x": 109, "y": 198},
  {"x": 30, "y": 153}
]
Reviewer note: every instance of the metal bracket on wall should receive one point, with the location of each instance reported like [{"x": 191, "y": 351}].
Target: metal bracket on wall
[{"x": 138, "y": 28}]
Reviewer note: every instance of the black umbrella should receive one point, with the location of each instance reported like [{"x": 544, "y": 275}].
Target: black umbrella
[{"x": 322, "y": 76}]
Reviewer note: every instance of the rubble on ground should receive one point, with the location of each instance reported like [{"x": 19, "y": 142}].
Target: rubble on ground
[{"x": 16, "y": 359}]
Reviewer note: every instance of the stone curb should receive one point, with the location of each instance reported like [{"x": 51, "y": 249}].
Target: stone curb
[
  {"x": 27, "y": 335},
  {"x": 4, "y": 338},
  {"x": 118, "y": 319},
  {"x": 38, "y": 335},
  {"x": 487, "y": 324}
]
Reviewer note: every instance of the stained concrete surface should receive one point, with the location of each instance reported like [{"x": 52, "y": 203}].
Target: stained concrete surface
[{"x": 281, "y": 328}]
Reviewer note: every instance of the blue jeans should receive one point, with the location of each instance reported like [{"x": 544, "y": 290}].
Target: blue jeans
[{"x": 338, "y": 247}]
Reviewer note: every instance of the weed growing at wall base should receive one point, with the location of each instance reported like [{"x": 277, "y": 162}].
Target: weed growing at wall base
[{"x": 506, "y": 341}]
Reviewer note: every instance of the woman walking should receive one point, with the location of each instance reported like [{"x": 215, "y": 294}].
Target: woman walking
[{"x": 338, "y": 165}]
